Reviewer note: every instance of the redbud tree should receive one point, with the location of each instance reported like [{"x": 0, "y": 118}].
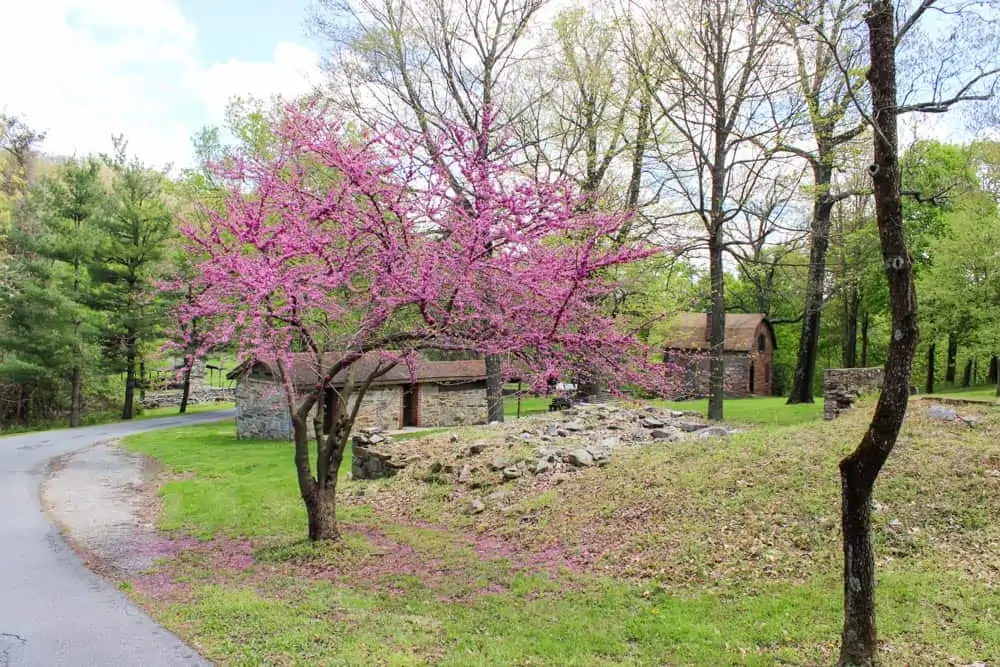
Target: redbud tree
[{"x": 361, "y": 252}]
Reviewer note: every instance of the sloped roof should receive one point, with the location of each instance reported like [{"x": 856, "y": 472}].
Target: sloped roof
[
  {"x": 304, "y": 370},
  {"x": 689, "y": 331}
]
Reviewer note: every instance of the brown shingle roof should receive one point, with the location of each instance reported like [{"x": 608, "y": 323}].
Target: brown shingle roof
[
  {"x": 304, "y": 370},
  {"x": 689, "y": 331}
]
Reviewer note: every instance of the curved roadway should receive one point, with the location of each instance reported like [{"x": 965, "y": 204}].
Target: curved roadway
[{"x": 53, "y": 610}]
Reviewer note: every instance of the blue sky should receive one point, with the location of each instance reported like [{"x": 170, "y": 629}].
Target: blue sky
[{"x": 153, "y": 70}]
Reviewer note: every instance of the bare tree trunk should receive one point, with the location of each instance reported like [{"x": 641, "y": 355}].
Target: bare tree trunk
[
  {"x": 494, "y": 388},
  {"x": 931, "y": 353},
  {"x": 805, "y": 365},
  {"x": 130, "y": 360},
  {"x": 717, "y": 333},
  {"x": 865, "y": 322},
  {"x": 851, "y": 328},
  {"x": 967, "y": 373},
  {"x": 949, "y": 375},
  {"x": 859, "y": 470},
  {"x": 76, "y": 397},
  {"x": 185, "y": 390}
]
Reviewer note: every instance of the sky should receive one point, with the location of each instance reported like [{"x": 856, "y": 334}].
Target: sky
[{"x": 155, "y": 71}]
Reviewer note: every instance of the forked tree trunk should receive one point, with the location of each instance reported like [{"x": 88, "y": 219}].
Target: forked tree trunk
[{"x": 859, "y": 470}]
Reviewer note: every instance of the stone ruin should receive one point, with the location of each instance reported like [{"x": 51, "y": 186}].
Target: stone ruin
[
  {"x": 583, "y": 436},
  {"x": 843, "y": 386}
]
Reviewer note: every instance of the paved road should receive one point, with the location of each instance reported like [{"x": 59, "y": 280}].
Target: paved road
[{"x": 53, "y": 610}]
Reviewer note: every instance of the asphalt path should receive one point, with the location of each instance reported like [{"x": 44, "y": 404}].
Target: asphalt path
[{"x": 53, "y": 610}]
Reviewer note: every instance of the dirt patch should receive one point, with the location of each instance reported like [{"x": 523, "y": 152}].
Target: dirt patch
[{"x": 104, "y": 501}]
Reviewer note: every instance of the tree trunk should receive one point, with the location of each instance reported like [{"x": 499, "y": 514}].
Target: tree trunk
[
  {"x": 865, "y": 321},
  {"x": 185, "y": 390},
  {"x": 717, "y": 332},
  {"x": 967, "y": 373},
  {"x": 994, "y": 370},
  {"x": 805, "y": 365},
  {"x": 130, "y": 360},
  {"x": 859, "y": 470},
  {"x": 931, "y": 353},
  {"x": 949, "y": 374},
  {"x": 76, "y": 397},
  {"x": 494, "y": 388},
  {"x": 321, "y": 510},
  {"x": 851, "y": 329}
]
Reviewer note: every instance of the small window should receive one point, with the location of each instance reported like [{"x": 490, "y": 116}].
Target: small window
[{"x": 761, "y": 343}]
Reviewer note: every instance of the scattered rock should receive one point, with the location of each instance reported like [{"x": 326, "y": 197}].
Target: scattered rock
[
  {"x": 714, "y": 432},
  {"x": 475, "y": 448},
  {"x": 465, "y": 474},
  {"x": 651, "y": 422},
  {"x": 660, "y": 434},
  {"x": 498, "y": 463},
  {"x": 453, "y": 439},
  {"x": 580, "y": 458},
  {"x": 526, "y": 436},
  {"x": 498, "y": 497},
  {"x": 942, "y": 412},
  {"x": 512, "y": 472},
  {"x": 371, "y": 463},
  {"x": 574, "y": 426},
  {"x": 542, "y": 466},
  {"x": 691, "y": 427},
  {"x": 562, "y": 433},
  {"x": 475, "y": 506}
]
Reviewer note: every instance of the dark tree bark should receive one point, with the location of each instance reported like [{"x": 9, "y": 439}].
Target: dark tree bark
[
  {"x": 851, "y": 329},
  {"x": 865, "y": 322},
  {"x": 805, "y": 365},
  {"x": 931, "y": 353},
  {"x": 717, "y": 332},
  {"x": 967, "y": 374},
  {"x": 185, "y": 390},
  {"x": 993, "y": 374},
  {"x": 859, "y": 470},
  {"x": 128, "y": 408},
  {"x": 949, "y": 374},
  {"x": 494, "y": 389},
  {"x": 75, "y": 397}
]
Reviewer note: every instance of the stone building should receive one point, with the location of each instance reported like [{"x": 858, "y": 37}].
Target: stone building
[
  {"x": 438, "y": 393},
  {"x": 748, "y": 355}
]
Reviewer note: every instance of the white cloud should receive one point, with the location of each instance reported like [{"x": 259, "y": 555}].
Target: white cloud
[{"x": 89, "y": 69}]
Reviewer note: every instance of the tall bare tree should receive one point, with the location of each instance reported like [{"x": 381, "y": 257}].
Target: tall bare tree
[
  {"x": 431, "y": 63},
  {"x": 716, "y": 76},
  {"x": 962, "y": 70}
]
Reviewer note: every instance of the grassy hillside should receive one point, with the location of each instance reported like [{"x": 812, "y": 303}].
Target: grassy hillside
[{"x": 703, "y": 552}]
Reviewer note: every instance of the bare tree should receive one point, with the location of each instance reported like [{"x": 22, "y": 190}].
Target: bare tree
[
  {"x": 428, "y": 64},
  {"x": 961, "y": 71},
  {"x": 716, "y": 76}
]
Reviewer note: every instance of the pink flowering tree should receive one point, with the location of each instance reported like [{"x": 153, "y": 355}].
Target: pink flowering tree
[{"x": 360, "y": 253}]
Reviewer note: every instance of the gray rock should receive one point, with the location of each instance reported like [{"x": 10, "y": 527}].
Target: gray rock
[
  {"x": 661, "y": 434},
  {"x": 476, "y": 448},
  {"x": 652, "y": 422},
  {"x": 942, "y": 412},
  {"x": 498, "y": 497},
  {"x": 562, "y": 433},
  {"x": 511, "y": 472},
  {"x": 714, "y": 432},
  {"x": 475, "y": 506},
  {"x": 600, "y": 455},
  {"x": 542, "y": 466},
  {"x": 526, "y": 436},
  {"x": 675, "y": 414},
  {"x": 691, "y": 427},
  {"x": 574, "y": 426},
  {"x": 498, "y": 463},
  {"x": 465, "y": 474},
  {"x": 453, "y": 438},
  {"x": 580, "y": 458}
]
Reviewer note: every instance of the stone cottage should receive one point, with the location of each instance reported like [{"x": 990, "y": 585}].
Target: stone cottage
[
  {"x": 438, "y": 393},
  {"x": 748, "y": 355}
]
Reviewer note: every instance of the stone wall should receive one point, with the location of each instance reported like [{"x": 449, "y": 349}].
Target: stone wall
[
  {"x": 842, "y": 386},
  {"x": 380, "y": 408},
  {"x": 457, "y": 405},
  {"x": 197, "y": 396},
  {"x": 696, "y": 374},
  {"x": 261, "y": 411}
]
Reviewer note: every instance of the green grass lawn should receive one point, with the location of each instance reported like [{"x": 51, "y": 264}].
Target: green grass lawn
[
  {"x": 714, "y": 552},
  {"x": 981, "y": 393},
  {"x": 172, "y": 411},
  {"x": 770, "y": 410}
]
